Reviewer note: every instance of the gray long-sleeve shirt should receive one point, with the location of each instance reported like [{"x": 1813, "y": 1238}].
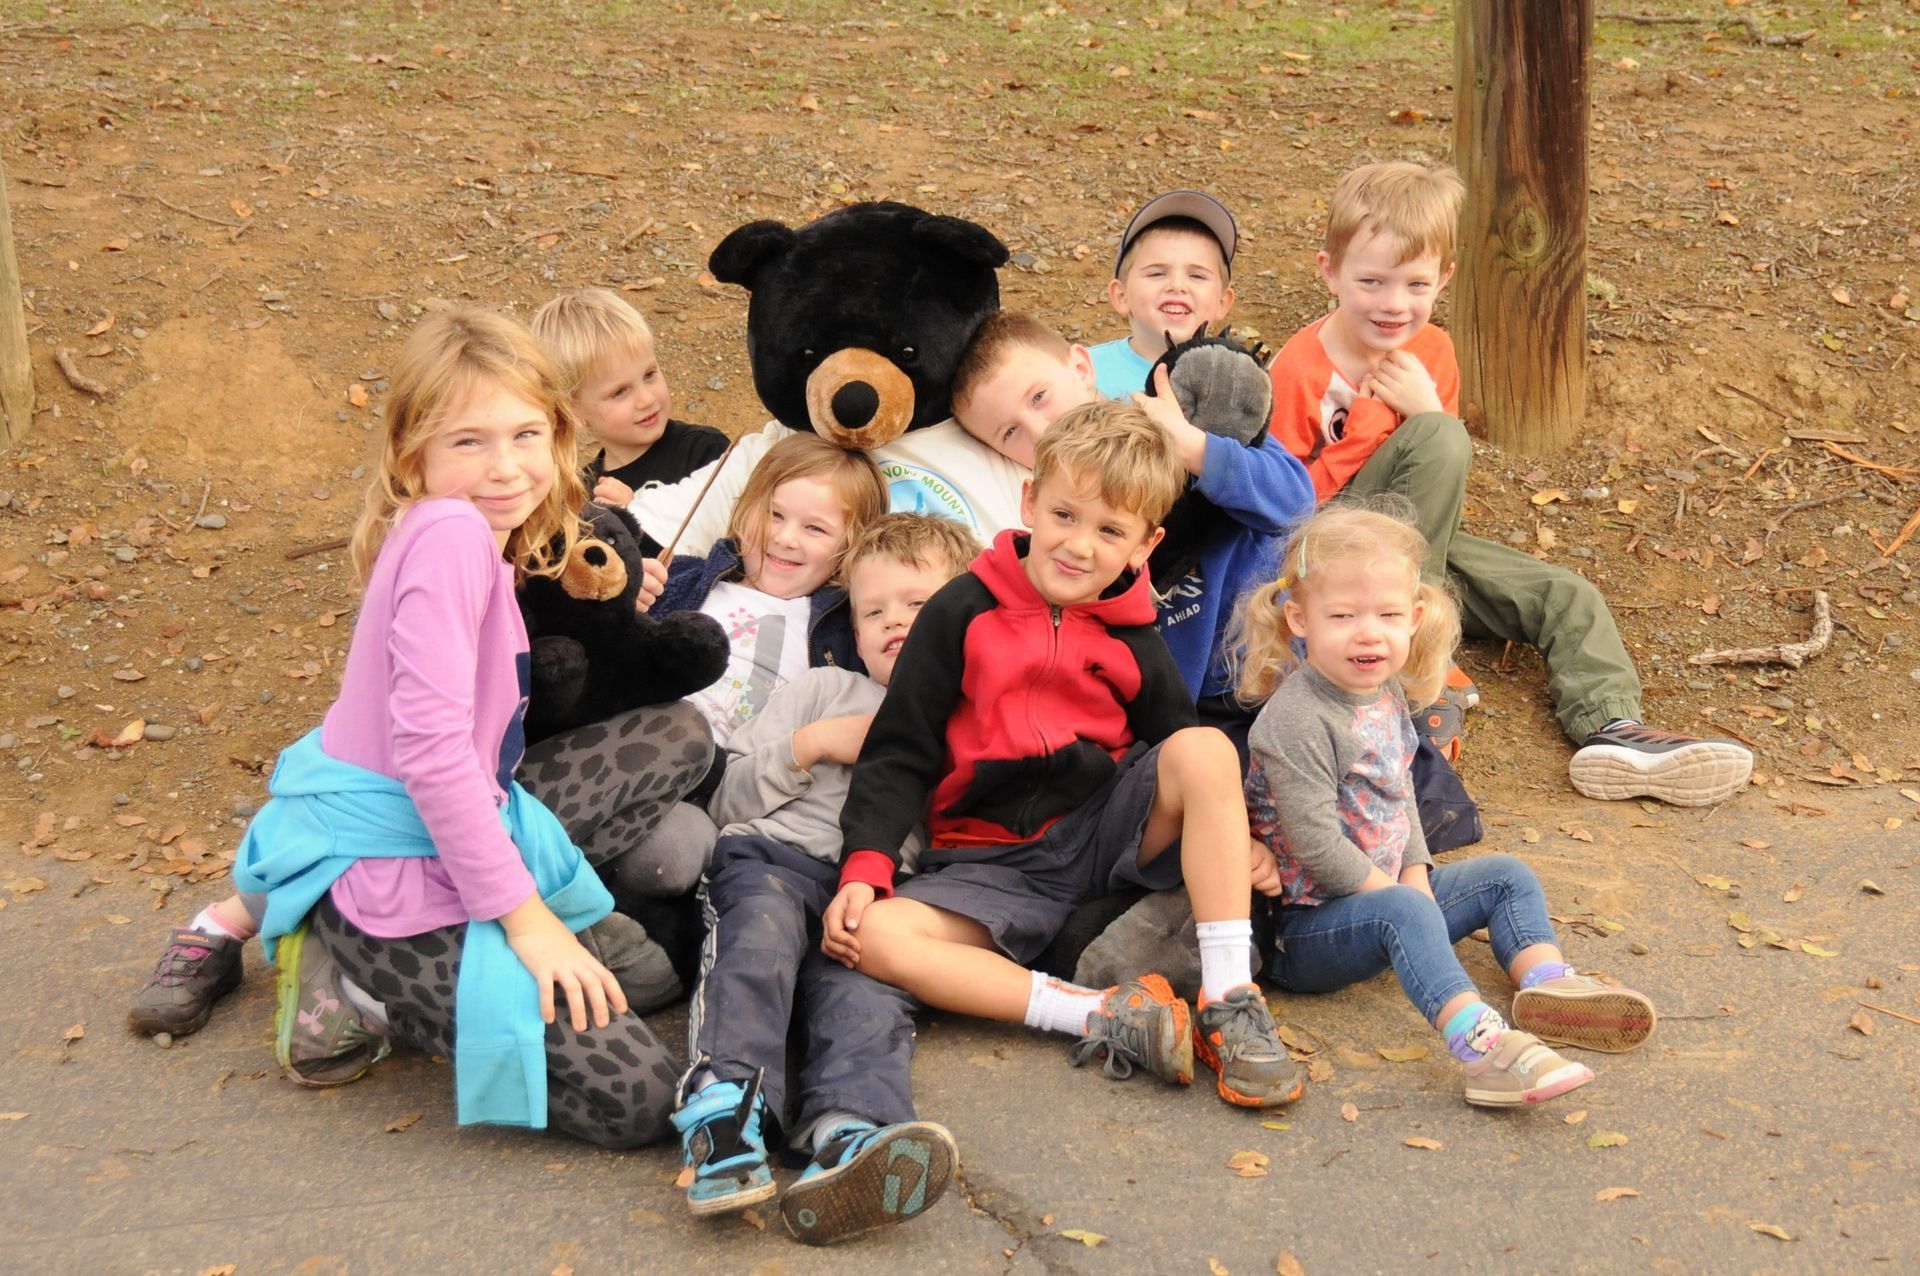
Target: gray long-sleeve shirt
[
  {"x": 764, "y": 792},
  {"x": 1330, "y": 788}
]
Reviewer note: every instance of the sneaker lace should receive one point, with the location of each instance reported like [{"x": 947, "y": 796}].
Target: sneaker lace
[
  {"x": 1245, "y": 1027},
  {"x": 1124, "y": 1044},
  {"x": 180, "y": 963}
]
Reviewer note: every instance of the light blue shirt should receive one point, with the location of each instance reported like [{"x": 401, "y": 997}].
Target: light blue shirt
[{"x": 1118, "y": 371}]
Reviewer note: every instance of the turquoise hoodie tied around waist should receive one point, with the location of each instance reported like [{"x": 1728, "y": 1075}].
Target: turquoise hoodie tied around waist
[{"x": 326, "y": 813}]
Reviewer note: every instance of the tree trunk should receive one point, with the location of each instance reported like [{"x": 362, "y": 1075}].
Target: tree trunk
[
  {"x": 1520, "y": 142},
  {"x": 16, "y": 369}
]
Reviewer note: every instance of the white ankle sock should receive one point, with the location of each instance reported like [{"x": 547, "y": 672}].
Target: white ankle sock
[
  {"x": 1226, "y": 956},
  {"x": 1054, "y": 1005},
  {"x": 207, "y": 922},
  {"x": 372, "y": 1011},
  {"x": 823, "y": 1128}
]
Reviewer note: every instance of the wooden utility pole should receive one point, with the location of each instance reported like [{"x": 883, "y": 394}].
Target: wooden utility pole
[
  {"x": 16, "y": 369},
  {"x": 1520, "y": 142}
]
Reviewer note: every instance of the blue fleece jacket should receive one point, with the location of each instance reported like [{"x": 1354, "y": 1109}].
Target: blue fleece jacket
[
  {"x": 1263, "y": 491},
  {"x": 325, "y": 813}
]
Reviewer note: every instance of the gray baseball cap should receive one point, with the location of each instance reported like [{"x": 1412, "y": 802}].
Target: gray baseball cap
[{"x": 1198, "y": 205}]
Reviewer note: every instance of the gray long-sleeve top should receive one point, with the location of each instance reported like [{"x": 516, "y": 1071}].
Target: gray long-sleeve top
[
  {"x": 1330, "y": 788},
  {"x": 764, "y": 792}
]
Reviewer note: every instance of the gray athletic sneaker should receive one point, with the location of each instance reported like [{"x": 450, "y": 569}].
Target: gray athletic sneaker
[{"x": 1629, "y": 760}]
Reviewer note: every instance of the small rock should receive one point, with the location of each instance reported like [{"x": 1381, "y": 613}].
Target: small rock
[
  {"x": 1693, "y": 684},
  {"x": 157, "y": 732},
  {"x": 8, "y": 739},
  {"x": 1022, "y": 260},
  {"x": 1891, "y": 641},
  {"x": 266, "y": 697},
  {"x": 245, "y": 808},
  {"x": 1516, "y": 537},
  {"x": 321, "y": 493},
  {"x": 1638, "y": 950},
  {"x": 194, "y": 664},
  {"x": 1914, "y": 674},
  {"x": 1581, "y": 551},
  {"x": 125, "y": 554},
  {"x": 252, "y": 609},
  {"x": 1593, "y": 493},
  {"x": 1783, "y": 703},
  {"x": 65, "y": 692},
  {"x": 121, "y": 799},
  {"x": 164, "y": 1040},
  {"x": 388, "y": 311},
  {"x": 212, "y": 522}
]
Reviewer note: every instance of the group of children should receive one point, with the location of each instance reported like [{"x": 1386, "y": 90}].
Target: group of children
[{"x": 926, "y": 752}]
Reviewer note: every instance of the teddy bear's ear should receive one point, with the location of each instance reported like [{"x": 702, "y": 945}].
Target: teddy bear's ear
[
  {"x": 745, "y": 252},
  {"x": 958, "y": 237}
]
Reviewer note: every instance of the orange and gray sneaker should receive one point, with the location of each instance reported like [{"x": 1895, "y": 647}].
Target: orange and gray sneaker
[
  {"x": 1235, "y": 1036},
  {"x": 1579, "y": 1010},
  {"x": 1444, "y": 721},
  {"x": 1139, "y": 1024}
]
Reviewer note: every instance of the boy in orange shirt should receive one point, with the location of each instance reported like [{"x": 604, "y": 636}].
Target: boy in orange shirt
[{"x": 1368, "y": 398}]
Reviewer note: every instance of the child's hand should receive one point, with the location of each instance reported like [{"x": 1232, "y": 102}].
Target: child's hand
[
  {"x": 653, "y": 579},
  {"x": 1189, "y": 440},
  {"x": 553, "y": 956},
  {"x": 1266, "y": 870},
  {"x": 1416, "y": 876},
  {"x": 842, "y": 919},
  {"x": 1403, "y": 383},
  {"x": 831, "y": 740},
  {"x": 611, "y": 491}
]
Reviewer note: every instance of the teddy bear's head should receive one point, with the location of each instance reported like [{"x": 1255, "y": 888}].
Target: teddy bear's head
[
  {"x": 595, "y": 573},
  {"x": 858, "y": 318}
]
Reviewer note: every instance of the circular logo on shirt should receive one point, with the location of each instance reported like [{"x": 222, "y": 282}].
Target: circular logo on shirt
[{"x": 913, "y": 489}]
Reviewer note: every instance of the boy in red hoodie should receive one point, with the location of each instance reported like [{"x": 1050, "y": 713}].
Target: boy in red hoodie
[{"x": 1039, "y": 724}]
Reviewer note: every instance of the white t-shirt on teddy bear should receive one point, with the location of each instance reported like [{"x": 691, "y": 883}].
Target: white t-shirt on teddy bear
[{"x": 940, "y": 470}]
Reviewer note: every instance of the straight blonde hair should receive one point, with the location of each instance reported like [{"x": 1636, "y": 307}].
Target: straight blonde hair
[
  {"x": 919, "y": 540},
  {"x": 1118, "y": 451},
  {"x": 586, "y": 328},
  {"x": 1341, "y": 537},
  {"x": 453, "y": 354},
  {"x": 856, "y": 483},
  {"x": 1416, "y": 207}
]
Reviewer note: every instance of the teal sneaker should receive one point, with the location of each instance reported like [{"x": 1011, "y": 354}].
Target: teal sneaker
[
  {"x": 319, "y": 1038},
  {"x": 864, "y": 1177},
  {"x": 720, "y": 1135}
]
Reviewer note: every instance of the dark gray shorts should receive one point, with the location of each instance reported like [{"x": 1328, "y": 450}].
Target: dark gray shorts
[{"x": 1023, "y": 893}]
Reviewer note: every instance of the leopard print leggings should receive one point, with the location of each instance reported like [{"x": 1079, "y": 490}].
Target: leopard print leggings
[{"x": 613, "y": 1086}]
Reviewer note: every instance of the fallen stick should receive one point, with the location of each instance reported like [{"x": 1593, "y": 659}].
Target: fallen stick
[
  {"x": 1752, "y": 28},
  {"x": 1907, "y": 529},
  {"x": 1894, "y": 472},
  {"x": 78, "y": 379},
  {"x": 318, "y": 547},
  {"x": 1791, "y": 654},
  {"x": 1895, "y": 1013},
  {"x": 666, "y": 555}
]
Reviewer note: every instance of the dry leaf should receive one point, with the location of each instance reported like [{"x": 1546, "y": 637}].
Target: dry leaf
[
  {"x": 684, "y": 1179},
  {"x": 117, "y": 245},
  {"x": 1771, "y": 1229},
  {"x": 118, "y": 919},
  {"x": 1871, "y": 887},
  {"x": 132, "y": 733},
  {"x": 1842, "y": 296},
  {"x": 1615, "y": 1193},
  {"x": 1627, "y": 507},
  {"x": 1430, "y": 1145},
  {"x": 13, "y": 1116},
  {"x": 103, "y": 326},
  {"x": 1812, "y": 949},
  {"x": 1575, "y": 1118},
  {"x": 1092, "y": 1240},
  {"x": 402, "y": 1124},
  {"x": 809, "y": 102},
  {"x": 1319, "y": 1071},
  {"x": 1401, "y": 1054},
  {"x": 1217, "y": 1268},
  {"x": 753, "y": 1219},
  {"x": 1288, "y": 1265},
  {"x": 1862, "y": 1023},
  {"x": 1248, "y": 1164},
  {"x": 1349, "y": 1113},
  {"x": 1529, "y": 835},
  {"x": 1606, "y": 1139},
  {"x": 1794, "y": 892},
  {"x": 1549, "y": 495},
  {"x": 74, "y": 1033},
  {"x": 1713, "y": 883},
  {"x": 357, "y": 395},
  {"x": 221, "y": 1269},
  {"x": 1754, "y": 843}
]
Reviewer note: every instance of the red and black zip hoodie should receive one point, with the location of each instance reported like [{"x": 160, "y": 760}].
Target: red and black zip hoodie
[{"x": 1004, "y": 713}]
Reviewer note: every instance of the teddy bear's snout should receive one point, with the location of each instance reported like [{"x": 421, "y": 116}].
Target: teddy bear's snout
[{"x": 859, "y": 399}]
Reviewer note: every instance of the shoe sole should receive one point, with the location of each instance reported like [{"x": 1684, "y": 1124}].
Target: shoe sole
[
  {"x": 1556, "y": 1083},
  {"x": 321, "y": 1074},
  {"x": 896, "y": 1177},
  {"x": 1179, "y": 1069},
  {"x": 1702, "y": 774},
  {"x": 733, "y": 1202},
  {"x": 1608, "y": 1020}
]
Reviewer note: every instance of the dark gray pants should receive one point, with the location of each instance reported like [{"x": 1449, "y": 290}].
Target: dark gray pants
[{"x": 762, "y": 974}]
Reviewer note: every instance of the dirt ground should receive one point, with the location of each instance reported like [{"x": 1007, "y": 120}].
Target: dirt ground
[{"x": 229, "y": 214}]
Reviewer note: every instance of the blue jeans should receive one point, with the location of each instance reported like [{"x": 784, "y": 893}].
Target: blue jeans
[{"x": 1354, "y": 937}]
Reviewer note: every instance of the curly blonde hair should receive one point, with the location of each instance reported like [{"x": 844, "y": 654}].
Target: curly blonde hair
[
  {"x": 1341, "y": 536},
  {"x": 453, "y": 354}
]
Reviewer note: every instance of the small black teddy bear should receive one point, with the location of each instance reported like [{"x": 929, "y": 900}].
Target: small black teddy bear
[
  {"x": 594, "y": 655},
  {"x": 1222, "y": 386}
]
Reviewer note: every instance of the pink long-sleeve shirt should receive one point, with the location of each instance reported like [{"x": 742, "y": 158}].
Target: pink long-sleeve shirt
[{"x": 433, "y": 695}]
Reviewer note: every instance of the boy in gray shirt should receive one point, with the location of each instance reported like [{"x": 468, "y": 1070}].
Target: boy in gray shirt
[{"x": 775, "y": 868}]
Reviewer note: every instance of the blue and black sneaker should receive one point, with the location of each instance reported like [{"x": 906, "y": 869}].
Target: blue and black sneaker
[
  {"x": 864, "y": 1177},
  {"x": 720, "y": 1132}
]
